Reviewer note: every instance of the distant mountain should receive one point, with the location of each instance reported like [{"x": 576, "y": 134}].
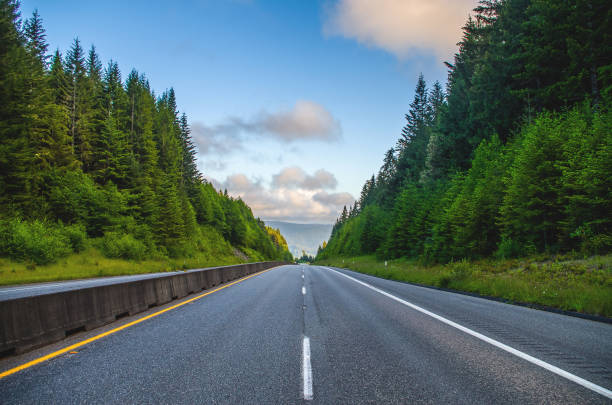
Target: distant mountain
[{"x": 306, "y": 237}]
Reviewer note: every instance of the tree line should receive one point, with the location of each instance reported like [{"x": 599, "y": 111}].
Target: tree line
[
  {"x": 513, "y": 158},
  {"x": 86, "y": 155}
]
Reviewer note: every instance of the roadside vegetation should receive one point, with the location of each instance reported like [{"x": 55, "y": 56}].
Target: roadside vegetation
[
  {"x": 53, "y": 256},
  {"x": 513, "y": 158},
  {"x": 93, "y": 263},
  {"x": 93, "y": 166},
  {"x": 564, "y": 282}
]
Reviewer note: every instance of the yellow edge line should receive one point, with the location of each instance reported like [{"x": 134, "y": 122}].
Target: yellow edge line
[{"x": 110, "y": 332}]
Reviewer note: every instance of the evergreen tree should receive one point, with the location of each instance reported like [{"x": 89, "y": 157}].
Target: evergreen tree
[
  {"x": 435, "y": 100},
  {"x": 19, "y": 106},
  {"x": 75, "y": 72},
  {"x": 36, "y": 38},
  {"x": 531, "y": 211},
  {"x": 344, "y": 215},
  {"x": 94, "y": 66},
  {"x": 417, "y": 117},
  {"x": 415, "y": 135},
  {"x": 189, "y": 169},
  {"x": 58, "y": 81}
]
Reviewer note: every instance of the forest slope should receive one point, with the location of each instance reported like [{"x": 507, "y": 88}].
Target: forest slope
[
  {"x": 513, "y": 158},
  {"x": 90, "y": 162}
]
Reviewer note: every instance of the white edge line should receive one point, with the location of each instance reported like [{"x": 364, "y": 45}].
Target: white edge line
[
  {"x": 565, "y": 374},
  {"x": 306, "y": 369}
]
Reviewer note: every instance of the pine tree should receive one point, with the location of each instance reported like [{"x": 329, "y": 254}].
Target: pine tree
[
  {"x": 167, "y": 132},
  {"x": 20, "y": 102},
  {"x": 344, "y": 215},
  {"x": 189, "y": 169},
  {"x": 388, "y": 168},
  {"x": 75, "y": 72},
  {"x": 94, "y": 65},
  {"x": 412, "y": 145},
  {"x": 532, "y": 210},
  {"x": 110, "y": 152},
  {"x": 58, "y": 81},
  {"x": 435, "y": 100},
  {"x": 36, "y": 38},
  {"x": 170, "y": 226},
  {"x": 417, "y": 117}
]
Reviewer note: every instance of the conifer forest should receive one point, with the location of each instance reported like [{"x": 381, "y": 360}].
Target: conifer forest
[
  {"x": 512, "y": 157},
  {"x": 92, "y": 158}
]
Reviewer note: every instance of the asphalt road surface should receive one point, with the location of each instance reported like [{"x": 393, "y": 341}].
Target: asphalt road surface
[{"x": 308, "y": 334}]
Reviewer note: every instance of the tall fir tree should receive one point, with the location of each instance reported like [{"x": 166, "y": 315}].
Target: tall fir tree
[{"x": 77, "y": 94}]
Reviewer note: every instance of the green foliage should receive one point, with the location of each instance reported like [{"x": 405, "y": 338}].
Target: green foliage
[
  {"x": 532, "y": 209},
  {"x": 108, "y": 158},
  {"x": 76, "y": 235},
  {"x": 124, "y": 246},
  {"x": 73, "y": 197},
  {"x": 467, "y": 225},
  {"x": 36, "y": 241},
  {"x": 374, "y": 229},
  {"x": 514, "y": 159}
]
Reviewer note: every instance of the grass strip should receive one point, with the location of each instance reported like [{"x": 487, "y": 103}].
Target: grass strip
[
  {"x": 92, "y": 263},
  {"x": 579, "y": 285}
]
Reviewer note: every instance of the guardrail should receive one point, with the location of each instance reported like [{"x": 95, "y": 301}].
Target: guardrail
[{"x": 30, "y": 322}]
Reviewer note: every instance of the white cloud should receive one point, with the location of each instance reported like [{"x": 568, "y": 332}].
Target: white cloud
[
  {"x": 216, "y": 140},
  {"x": 307, "y": 120},
  {"x": 295, "y": 177},
  {"x": 401, "y": 26},
  {"x": 292, "y": 196},
  {"x": 337, "y": 199}
]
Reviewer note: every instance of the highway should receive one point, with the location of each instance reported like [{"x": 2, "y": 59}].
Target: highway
[{"x": 309, "y": 334}]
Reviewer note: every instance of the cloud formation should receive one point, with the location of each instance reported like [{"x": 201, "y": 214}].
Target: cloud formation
[
  {"x": 307, "y": 120},
  {"x": 216, "y": 140},
  {"x": 337, "y": 199},
  {"x": 401, "y": 26},
  {"x": 292, "y": 195},
  {"x": 295, "y": 177}
]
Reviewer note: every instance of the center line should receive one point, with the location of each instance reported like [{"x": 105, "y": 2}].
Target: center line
[
  {"x": 306, "y": 369},
  {"x": 303, "y": 290},
  {"x": 565, "y": 374}
]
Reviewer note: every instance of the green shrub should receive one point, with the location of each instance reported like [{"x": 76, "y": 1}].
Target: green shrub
[
  {"x": 461, "y": 270},
  {"x": 598, "y": 244},
  {"x": 445, "y": 280},
  {"x": 120, "y": 245},
  {"x": 508, "y": 248},
  {"x": 34, "y": 241},
  {"x": 76, "y": 235}
]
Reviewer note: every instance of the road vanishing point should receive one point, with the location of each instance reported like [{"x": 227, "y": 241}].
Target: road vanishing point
[{"x": 309, "y": 334}]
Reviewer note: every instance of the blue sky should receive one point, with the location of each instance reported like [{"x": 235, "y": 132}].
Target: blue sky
[{"x": 292, "y": 102}]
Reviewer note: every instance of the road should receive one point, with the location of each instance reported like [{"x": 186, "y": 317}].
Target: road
[
  {"x": 20, "y": 291},
  {"x": 308, "y": 334}
]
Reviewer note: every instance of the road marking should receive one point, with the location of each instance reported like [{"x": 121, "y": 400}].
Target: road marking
[
  {"x": 306, "y": 369},
  {"x": 302, "y": 277},
  {"x": 565, "y": 374},
  {"x": 303, "y": 290},
  {"x": 110, "y": 332}
]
